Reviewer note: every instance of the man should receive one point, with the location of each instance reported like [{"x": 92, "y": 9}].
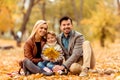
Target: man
[{"x": 76, "y": 50}]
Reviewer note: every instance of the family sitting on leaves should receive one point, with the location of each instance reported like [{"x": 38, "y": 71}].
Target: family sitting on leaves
[{"x": 48, "y": 54}]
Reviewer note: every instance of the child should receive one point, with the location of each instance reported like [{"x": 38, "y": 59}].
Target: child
[{"x": 51, "y": 54}]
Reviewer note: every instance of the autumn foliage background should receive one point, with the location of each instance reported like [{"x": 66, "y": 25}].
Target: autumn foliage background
[{"x": 98, "y": 21}]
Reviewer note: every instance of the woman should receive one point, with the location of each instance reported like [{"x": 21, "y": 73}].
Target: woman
[{"x": 33, "y": 47}]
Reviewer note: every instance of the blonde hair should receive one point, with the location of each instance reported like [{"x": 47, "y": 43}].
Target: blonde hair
[
  {"x": 52, "y": 33},
  {"x": 35, "y": 28}
]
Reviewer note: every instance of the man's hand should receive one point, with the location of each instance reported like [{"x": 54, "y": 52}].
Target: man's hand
[{"x": 58, "y": 67}]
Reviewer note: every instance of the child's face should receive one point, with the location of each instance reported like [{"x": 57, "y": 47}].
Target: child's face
[{"x": 51, "y": 38}]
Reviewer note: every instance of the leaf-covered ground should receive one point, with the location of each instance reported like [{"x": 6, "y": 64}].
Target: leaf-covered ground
[{"x": 107, "y": 64}]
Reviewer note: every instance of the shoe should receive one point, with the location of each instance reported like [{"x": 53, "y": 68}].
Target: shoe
[
  {"x": 27, "y": 73},
  {"x": 84, "y": 72},
  {"x": 64, "y": 72},
  {"x": 47, "y": 69},
  {"x": 47, "y": 73}
]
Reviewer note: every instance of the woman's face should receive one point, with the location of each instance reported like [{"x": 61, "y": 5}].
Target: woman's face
[
  {"x": 42, "y": 30},
  {"x": 51, "y": 38}
]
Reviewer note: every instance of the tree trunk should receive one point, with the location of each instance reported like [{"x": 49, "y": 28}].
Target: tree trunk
[
  {"x": 16, "y": 38},
  {"x": 118, "y": 27},
  {"x": 26, "y": 17},
  {"x": 43, "y": 10},
  {"x": 102, "y": 38},
  {"x": 81, "y": 9},
  {"x": 118, "y": 3},
  {"x": 75, "y": 11},
  {"x": 53, "y": 23}
]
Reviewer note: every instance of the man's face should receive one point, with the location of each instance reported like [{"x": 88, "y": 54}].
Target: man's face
[{"x": 66, "y": 26}]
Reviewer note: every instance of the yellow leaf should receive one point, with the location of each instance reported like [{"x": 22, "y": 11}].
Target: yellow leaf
[{"x": 51, "y": 53}]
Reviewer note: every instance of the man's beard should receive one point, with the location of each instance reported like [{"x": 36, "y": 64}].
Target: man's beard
[{"x": 67, "y": 30}]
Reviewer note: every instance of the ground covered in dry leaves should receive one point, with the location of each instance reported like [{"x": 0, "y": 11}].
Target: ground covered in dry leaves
[{"x": 107, "y": 64}]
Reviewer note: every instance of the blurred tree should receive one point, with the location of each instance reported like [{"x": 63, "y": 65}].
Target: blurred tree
[
  {"x": 6, "y": 22},
  {"x": 6, "y": 14},
  {"x": 102, "y": 22},
  {"x": 81, "y": 9},
  {"x": 43, "y": 9},
  {"x": 26, "y": 14},
  {"x": 118, "y": 3},
  {"x": 76, "y": 14},
  {"x": 25, "y": 17},
  {"x": 118, "y": 27},
  {"x": 8, "y": 9}
]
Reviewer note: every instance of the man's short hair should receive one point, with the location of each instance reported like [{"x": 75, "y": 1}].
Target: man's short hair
[{"x": 65, "y": 18}]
